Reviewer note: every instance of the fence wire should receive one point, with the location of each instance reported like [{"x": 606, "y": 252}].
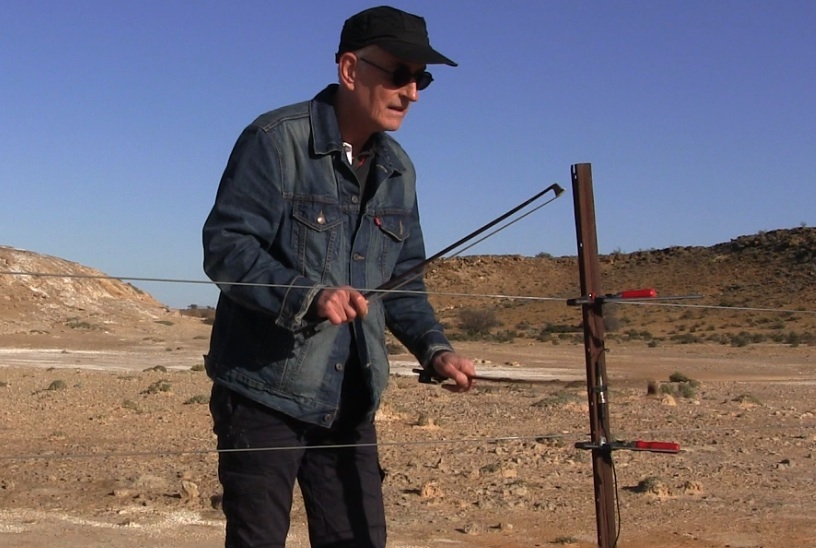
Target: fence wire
[{"x": 395, "y": 443}]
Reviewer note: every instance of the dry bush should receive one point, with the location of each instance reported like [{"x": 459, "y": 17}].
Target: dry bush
[{"x": 477, "y": 322}]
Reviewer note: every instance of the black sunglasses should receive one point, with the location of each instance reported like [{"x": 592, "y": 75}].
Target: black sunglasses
[{"x": 403, "y": 76}]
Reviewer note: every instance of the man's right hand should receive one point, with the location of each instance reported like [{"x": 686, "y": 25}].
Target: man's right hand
[{"x": 340, "y": 305}]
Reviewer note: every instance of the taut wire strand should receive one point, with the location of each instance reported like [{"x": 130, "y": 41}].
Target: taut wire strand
[
  {"x": 484, "y": 440},
  {"x": 169, "y": 453},
  {"x": 433, "y": 293}
]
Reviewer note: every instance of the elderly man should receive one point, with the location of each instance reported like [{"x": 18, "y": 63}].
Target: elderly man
[{"x": 316, "y": 204}]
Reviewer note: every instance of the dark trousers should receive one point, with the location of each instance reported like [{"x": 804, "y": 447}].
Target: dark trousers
[{"x": 341, "y": 487}]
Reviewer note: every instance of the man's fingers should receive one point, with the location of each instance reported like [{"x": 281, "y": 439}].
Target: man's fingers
[
  {"x": 342, "y": 305},
  {"x": 463, "y": 383},
  {"x": 461, "y": 371},
  {"x": 360, "y": 304}
]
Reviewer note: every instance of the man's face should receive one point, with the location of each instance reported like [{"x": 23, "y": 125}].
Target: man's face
[{"x": 382, "y": 105}]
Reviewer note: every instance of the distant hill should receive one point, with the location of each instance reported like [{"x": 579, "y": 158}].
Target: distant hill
[
  {"x": 774, "y": 269},
  {"x": 40, "y": 304}
]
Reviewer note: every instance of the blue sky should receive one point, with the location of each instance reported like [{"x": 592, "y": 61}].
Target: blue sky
[{"x": 698, "y": 117}]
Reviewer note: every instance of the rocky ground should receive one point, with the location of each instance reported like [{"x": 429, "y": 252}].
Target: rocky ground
[
  {"x": 112, "y": 447},
  {"x": 107, "y": 442}
]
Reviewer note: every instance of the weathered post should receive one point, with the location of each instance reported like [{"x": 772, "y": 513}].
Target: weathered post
[{"x": 592, "y": 313}]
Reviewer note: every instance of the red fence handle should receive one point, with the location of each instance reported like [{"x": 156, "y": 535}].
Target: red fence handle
[
  {"x": 665, "y": 446},
  {"x": 638, "y": 294}
]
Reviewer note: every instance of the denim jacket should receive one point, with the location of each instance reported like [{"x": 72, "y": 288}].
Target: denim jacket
[{"x": 287, "y": 221}]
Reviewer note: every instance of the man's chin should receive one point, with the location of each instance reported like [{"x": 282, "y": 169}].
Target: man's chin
[{"x": 392, "y": 126}]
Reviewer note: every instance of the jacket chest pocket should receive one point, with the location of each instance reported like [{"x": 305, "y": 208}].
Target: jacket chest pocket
[
  {"x": 316, "y": 235},
  {"x": 392, "y": 230}
]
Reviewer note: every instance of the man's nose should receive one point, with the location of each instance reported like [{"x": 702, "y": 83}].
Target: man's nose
[{"x": 410, "y": 91}]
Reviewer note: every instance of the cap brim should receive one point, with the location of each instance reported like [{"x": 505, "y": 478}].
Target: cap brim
[{"x": 412, "y": 53}]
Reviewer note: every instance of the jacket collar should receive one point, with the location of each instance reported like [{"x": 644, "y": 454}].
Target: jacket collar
[{"x": 326, "y": 137}]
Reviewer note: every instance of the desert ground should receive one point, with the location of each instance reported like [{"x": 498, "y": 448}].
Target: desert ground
[
  {"x": 107, "y": 437},
  {"x": 108, "y": 443}
]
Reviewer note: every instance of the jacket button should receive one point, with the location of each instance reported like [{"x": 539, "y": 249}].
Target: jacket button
[
  {"x": 354, "y": 199},
  {"x": 338, "y": 366},
  {"x": 358, "y": 257},
  {"x": 328, "y": 418},
  {"x": 367, "y": 365}
]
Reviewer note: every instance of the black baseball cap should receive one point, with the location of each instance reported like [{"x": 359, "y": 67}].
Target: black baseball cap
[{"x": 399, "y": 33}]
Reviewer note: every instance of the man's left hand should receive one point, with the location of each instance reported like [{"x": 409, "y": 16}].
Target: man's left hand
[{"x": 457, "y": 368}]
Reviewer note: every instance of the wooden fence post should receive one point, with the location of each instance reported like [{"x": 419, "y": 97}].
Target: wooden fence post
[{"x": 592, "y": 313}]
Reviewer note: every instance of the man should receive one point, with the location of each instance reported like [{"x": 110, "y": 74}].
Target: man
[{"x": 317, "y": 203}]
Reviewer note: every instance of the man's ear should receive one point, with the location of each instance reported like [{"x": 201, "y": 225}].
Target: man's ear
[{"x": 347, "y": 70}]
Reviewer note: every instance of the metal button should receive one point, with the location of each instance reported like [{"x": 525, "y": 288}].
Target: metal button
[
  {"x": 358, "y": 257},
  {"x": 321, "y": 219},
  {"x": 338, "y": 366},
  {"x": 328, "y": 418},
  {"x": 354, "y": 199},
  {"x": 367, "y": 365}
]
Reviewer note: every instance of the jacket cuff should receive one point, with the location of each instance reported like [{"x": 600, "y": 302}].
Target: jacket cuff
[
  {"x": 296, "y": 302},
  {"x": 436, "y": 343}
]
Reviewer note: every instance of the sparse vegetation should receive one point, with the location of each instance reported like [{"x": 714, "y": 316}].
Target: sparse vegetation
[
  {"x": 205, "y": 313},
  {"x": 476, "y": 323},
  {"x": 76, "y": 323},
  {"x": 747, "y": 398},
  {"x": 57, "y": 385},
  {"x": 678, "y": 377},
  {"x": 680, "y": 385},
  {"x": 651, "y": 484},
  {"x": 158, "y": 386},
  {"x": 686, "y": 390},
  {"x": 424, "y": 420},
  {"x": 131, "y": 405},
  {"x": 505, "y": 336}
]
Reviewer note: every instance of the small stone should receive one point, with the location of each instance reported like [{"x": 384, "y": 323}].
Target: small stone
[
  {"x": 189, "y": 490},
  {"x": 471, "y": 528},
  {"x": 669, "y": 400},
  {"x": 509, "y": 473},
  {"x": 693, "y": 488},
  {"x": 430, "y": 490},
  {"x": 521, "y": 491}
]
